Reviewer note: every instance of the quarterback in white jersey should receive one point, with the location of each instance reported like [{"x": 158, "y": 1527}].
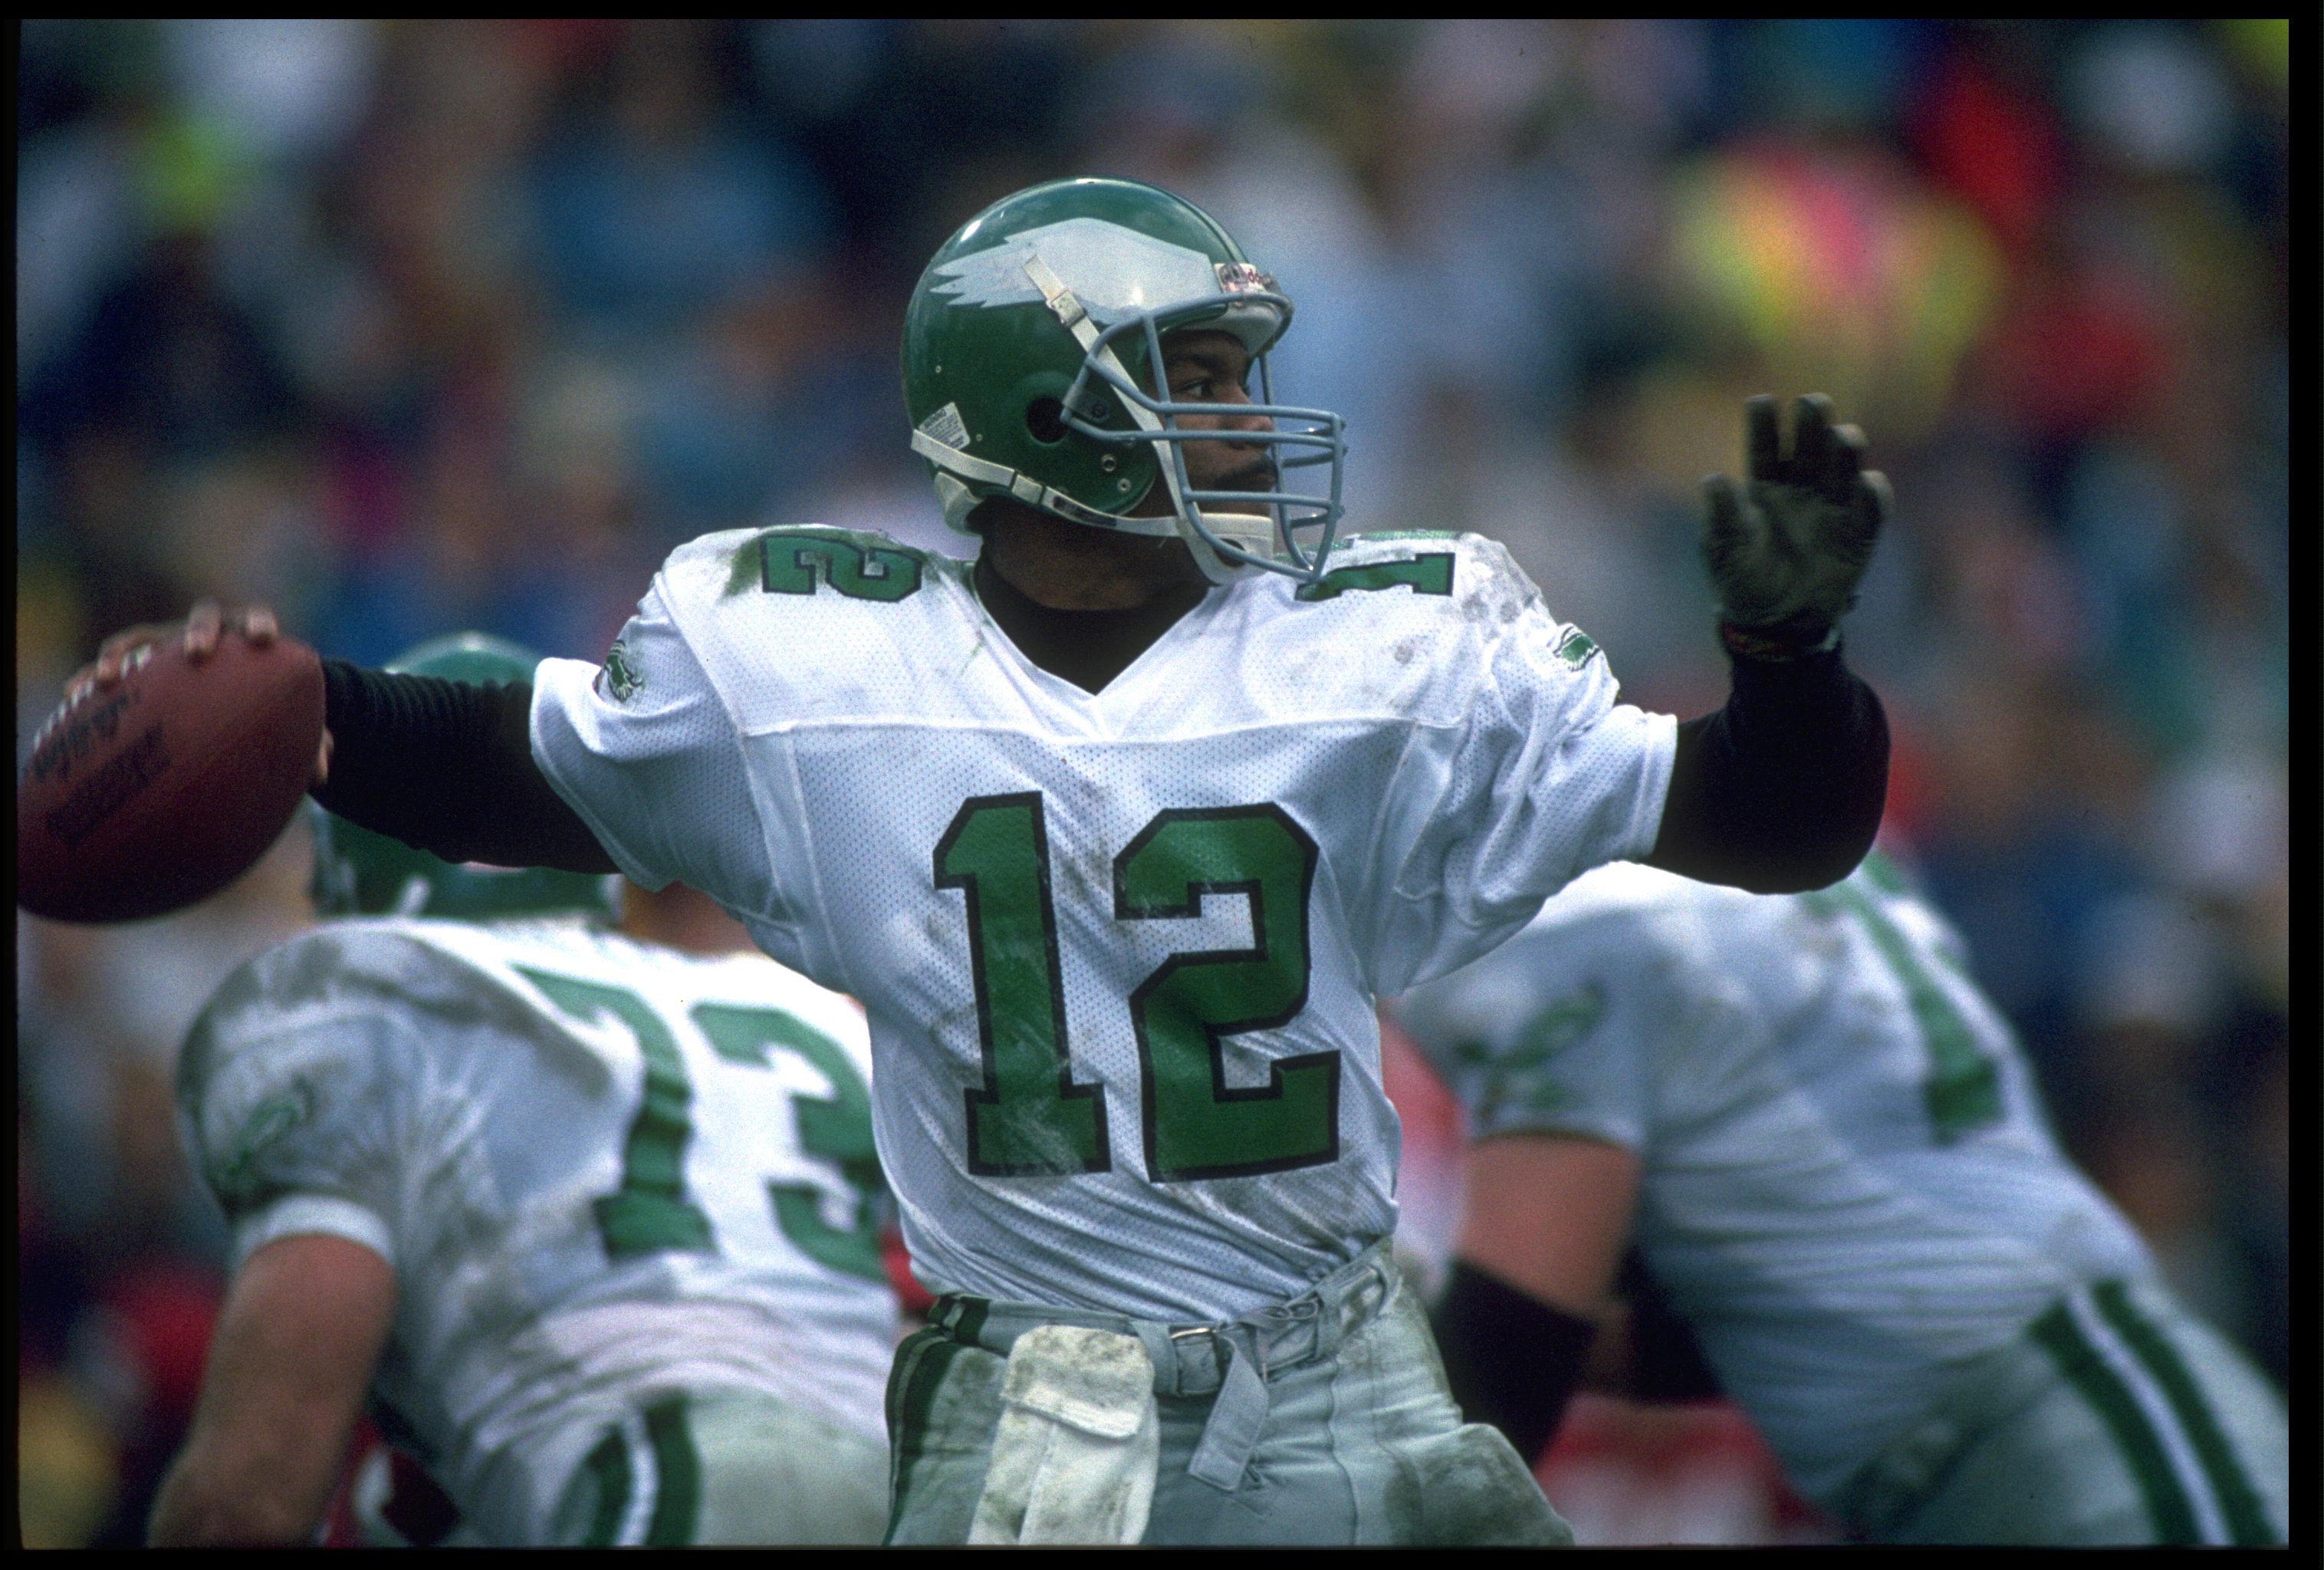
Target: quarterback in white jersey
[
  {"x": 1117, "y": 832},
  {"x": 1845, "y": 1184},
  {"x": 623, "y": 1200},
  {"x": 1118, "y": 949}
]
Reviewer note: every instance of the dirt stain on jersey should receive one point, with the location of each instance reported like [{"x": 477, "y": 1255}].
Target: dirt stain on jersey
[
  {"x": 1086, "y": 880},
  {"x": 389, "y": 973}
]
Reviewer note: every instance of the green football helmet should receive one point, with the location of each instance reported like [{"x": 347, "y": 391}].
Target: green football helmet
[
  {"x": 360, "y": 873},
  {"x": 1033, "y": 369}
]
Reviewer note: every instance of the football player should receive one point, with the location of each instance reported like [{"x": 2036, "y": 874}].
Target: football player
[
  {"x": 589, "y": 1219},
  {"x": 1828, "y": 1148},
  {"x": 1118, "y": 831}
]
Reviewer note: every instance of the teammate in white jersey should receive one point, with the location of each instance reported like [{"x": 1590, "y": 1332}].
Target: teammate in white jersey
[
  {"x": 1117, "y": 834},
  {"x": 1829, "y": 1152},
  {"x": 592, "y": 1220}
]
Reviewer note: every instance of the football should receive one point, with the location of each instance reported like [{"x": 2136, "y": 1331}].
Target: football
[{"x": 160, "y": 792}]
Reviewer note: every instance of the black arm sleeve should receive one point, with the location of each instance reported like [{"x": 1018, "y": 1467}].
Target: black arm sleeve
[
  {"x": 1667, "y": 1362},
  {"x": 1511, "y": 1359},
  {"x": 1782, "y": 789},
  {"x": 447, "y": 766}
]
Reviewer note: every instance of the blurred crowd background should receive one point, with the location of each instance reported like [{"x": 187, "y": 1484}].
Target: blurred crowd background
[{"x": 412, "y": 326}]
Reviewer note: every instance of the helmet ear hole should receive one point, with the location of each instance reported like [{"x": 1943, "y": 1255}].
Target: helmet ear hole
[{"x": 1045, "y": 419}]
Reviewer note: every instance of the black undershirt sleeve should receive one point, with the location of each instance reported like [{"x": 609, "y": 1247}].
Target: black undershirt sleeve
[
  {"x": 1781, "y": 789},
  {"x": 1667, "y": 1362},
  {"x": 1511, "y": 1359},
  {"x": 447, "y": 766}
]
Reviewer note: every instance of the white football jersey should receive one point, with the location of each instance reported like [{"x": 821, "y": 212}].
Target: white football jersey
[
  {"x": 1118, "y": 949},
  {"x": 601, "y": 1170},
  {"x": 1848, "y": 1185}
]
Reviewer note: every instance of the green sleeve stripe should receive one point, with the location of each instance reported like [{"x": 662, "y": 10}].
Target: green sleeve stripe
[
  {"x": 920, "y": 1366},
  {"x": 609, "y": 1464},
  {"x": 677, "y": 1475},
  {"x": 2167, "y": 1505},
  {"x": 2238, "y": 1500}
]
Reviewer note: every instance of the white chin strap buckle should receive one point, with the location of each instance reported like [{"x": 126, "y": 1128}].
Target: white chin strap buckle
[{"x": 1250, "y": 531}]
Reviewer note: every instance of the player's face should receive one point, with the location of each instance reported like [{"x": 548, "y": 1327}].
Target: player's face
[{"x": 1211, "y": 367}]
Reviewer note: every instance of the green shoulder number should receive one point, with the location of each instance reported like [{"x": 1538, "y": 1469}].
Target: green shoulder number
[
  {"x": 1426, "y": 575},
  {"x": 797, "y": 561}
]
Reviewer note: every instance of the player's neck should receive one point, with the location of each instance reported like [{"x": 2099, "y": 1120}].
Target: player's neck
[
  {"x": 1088, "y": 648},
  {"x": 1071, "y": 567}
]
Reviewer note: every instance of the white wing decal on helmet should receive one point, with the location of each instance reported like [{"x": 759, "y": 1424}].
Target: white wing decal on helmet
[{"x": 1112, "y": 270}]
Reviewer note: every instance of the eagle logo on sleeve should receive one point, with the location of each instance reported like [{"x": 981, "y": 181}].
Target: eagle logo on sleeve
[
  {"x": 235, "y": 1177},
  {"x": 617, "y": 676},
  {"x": 1522, "y": 1076}
]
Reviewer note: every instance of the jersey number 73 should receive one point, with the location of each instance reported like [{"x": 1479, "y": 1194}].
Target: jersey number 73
[{"x": 652, "y": 1211}]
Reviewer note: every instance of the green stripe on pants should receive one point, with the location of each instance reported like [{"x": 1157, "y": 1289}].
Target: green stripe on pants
[
  {"x": 609, "y": 1464},
  {"x": 2167, "y": 1505},
  {"x": 920, "y": 1365},
  {"x": 677, "y": 1475},
  {"x": 2248, "y": 1523}
]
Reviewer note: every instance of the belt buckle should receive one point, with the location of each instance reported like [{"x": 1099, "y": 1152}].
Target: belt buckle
[{"x": 1218, "y": 1356}]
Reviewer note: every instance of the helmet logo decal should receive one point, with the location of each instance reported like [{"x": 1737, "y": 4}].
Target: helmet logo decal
[
  {"x": 1242, "y": 278},
  {"x": 947, "y": 426},
  {"x": 1114, "y": 271}
]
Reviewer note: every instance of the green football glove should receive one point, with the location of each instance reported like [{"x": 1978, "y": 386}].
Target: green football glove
[{"x": 1788, "y": 550}]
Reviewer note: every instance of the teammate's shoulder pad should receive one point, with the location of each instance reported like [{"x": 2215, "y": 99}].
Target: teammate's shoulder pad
[
  {"x": 362, "y": 953},
  {"x": 435, "y": 970}
]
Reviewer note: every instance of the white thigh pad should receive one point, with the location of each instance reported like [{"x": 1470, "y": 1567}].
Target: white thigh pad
[{"x": 1075, "y": 1454}]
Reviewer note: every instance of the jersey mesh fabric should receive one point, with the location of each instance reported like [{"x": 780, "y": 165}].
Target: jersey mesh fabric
[
  {"x": 482, "y": 1118},
  {"x": 1838, "y": 1255},
  {"x": 1450, "y": 751}
]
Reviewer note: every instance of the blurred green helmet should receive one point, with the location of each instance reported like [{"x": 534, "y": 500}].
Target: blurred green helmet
[
  {"x": 359, "y": 872},
  {"x": 1033, "y": 369}
]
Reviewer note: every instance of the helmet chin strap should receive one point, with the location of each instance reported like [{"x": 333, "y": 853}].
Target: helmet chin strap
[{"x": 1254, "y": 532}]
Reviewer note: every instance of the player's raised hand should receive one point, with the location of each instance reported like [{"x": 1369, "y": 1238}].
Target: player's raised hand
[{"x": 1786, "y": 549}]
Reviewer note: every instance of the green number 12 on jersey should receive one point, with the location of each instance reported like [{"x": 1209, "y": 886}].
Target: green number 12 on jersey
[{"x": 1030, "y": 1116}]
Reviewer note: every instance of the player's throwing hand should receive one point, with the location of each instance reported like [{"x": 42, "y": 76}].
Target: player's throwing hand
[
  {"x": 203, "y": 625},
  {"x": 1787, "y": 549},
  {"x": 201, "y": 629}
]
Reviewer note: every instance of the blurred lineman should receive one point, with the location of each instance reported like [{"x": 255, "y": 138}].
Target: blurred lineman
[
  {"x": 591, "y": 1219},
  {"x": 1119, "y": 832},
  {"x": 1832, "y": 1157}
]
